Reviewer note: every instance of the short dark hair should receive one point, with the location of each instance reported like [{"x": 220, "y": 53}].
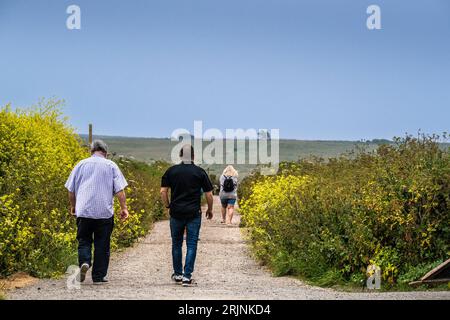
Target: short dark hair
[{"x": 184, "y": 147}]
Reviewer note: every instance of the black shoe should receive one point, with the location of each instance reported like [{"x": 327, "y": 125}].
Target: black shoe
[
  {"x": 188, "y": 282},
  {"x": 102, "y": 281},
  {"x": 177, "y": 278},
  {"x": 83, "y": 270}
]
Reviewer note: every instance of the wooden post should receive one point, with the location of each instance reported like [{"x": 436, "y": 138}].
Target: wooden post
[{"x": 90, "y": 134}]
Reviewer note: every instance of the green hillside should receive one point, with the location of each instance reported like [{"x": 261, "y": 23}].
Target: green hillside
[{"x": 151, "y": 149}]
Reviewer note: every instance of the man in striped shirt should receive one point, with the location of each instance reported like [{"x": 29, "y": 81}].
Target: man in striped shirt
[{"x": 92, "y": 185}]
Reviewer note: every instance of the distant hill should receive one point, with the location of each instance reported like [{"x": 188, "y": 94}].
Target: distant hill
[{"x": 151, "y": 149}]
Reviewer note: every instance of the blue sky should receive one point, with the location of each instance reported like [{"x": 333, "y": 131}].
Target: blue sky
[{"x": 309, "y": 68}]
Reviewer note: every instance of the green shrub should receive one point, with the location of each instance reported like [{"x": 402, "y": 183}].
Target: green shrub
[
  {"x": 413, "y": 273},
  {"x": 143, "y": 200},
  {"x": 328, "y": 220},
  {"x": 38, "y": 150}
]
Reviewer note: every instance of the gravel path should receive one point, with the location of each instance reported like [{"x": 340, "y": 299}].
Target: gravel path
[{"x": 224, "y": 270}]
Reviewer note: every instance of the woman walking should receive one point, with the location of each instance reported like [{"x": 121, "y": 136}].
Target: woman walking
[{"x": 228, "y": 193}]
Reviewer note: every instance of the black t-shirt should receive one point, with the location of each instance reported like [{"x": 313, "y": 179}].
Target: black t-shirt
[{"x": 186, "y": 183}]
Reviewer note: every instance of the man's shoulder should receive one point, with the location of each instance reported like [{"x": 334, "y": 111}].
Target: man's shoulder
[
  {"x": 110, "y": 162},
  {"x": 180, "y": 167},
  {"x": 81, "y": 162},
  {"x": 200, "y": 169},
  {"x": 171, "y": 168}
]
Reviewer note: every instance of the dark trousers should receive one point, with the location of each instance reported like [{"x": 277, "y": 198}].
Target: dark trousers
[
  {"x": 99, "y": 232},
  {"x": 177, "y": 227}
]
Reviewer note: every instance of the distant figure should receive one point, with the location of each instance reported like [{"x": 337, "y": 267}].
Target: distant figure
[
  {"x": 228, "y": 193},
  {"x": 92, "y": 185},
  {"x": 186, "y": 182}
]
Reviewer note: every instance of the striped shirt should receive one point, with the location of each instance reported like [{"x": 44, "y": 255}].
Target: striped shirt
[{"x": 95, "y": 181}]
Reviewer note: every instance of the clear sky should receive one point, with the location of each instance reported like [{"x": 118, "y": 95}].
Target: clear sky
[{"x": 309, "y": 68}]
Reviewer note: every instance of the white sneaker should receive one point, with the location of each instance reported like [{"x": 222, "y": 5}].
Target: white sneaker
[
  {"x": 83, "y": 270},
  {"x": 188, "y": 282},
  {"x": 177, "y": 278}
]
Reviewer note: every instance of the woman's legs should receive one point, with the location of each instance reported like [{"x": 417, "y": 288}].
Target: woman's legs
[
  {"x": 224, "y": 203},
  {"x": 230, "y": 210},
  {"x": 224, "y": 214}
]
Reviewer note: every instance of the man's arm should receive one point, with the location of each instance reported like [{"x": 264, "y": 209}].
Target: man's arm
[
  {"x": 123, "y": 204},
  {"x": 73, "y": 202},
  {"x": 209, "y": 200},
  {"x": 165, "y": 196}
]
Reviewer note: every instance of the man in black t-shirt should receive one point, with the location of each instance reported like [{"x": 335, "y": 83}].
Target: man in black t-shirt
[{"x": 186, "y": 182}]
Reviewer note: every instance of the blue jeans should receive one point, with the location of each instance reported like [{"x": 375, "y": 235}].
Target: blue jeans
[{"x": 177, "y": 227}]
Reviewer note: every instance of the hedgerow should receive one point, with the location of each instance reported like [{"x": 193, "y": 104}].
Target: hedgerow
[
  {"x": 38, "y": 150},
  {"x": 327, "y": 221}
]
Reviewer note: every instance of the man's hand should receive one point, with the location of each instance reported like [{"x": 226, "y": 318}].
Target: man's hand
[
  {"x": 73, "y": 203},
  {"x": 124, "y": 214},
  {"x": 123, "y": 205},
  {"x": 165, "y": 197},
  {"x": 209, "y": 200},
  {"x": 209, "y": 214}
]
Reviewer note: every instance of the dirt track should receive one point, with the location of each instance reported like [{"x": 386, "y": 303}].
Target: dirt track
[{"x": 224, "y": 270}]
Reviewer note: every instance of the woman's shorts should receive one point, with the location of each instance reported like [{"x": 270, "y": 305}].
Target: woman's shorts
[{"x": 226, "y": 202}]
